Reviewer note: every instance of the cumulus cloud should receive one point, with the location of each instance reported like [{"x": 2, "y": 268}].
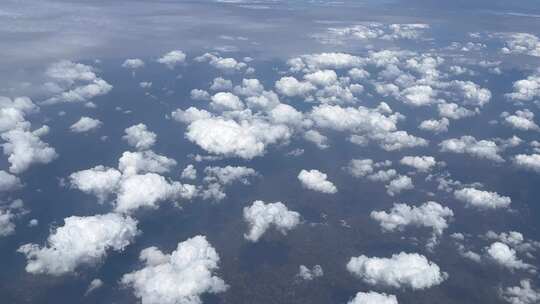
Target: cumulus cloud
[
  {"x": 529, "y": 162},
  {"x": 485, "y": 149},
  {"x": 172, "y": 59},
  {"x": 526, "y": 89},
  {"x": 260, "y": 217},
  {"x": 25, "y": 148},
  {"x": 74, "y": 82},
  {"x": 521, "y": 120},
  {"x": 372, "y": 297},
  {"x": 410, "y": 270},
  {"x": 221, "y": 84},
  {"x": 85, "y": 124},
  {"x": 435, "y": 126},
  {"x": 420, "y": 163},
  {"x": 291, "y": 87},
  {"x": 139, "y": 137},
  {"x": 131, "y": 163},
  {"x": 309, "y": 274},
  {"x": 399, "y": 184},
  {"x": 454, "y": 111},
  {"x": 505, "y": 256},
  {"x": 225, "y": 101},
  {"x": 189, "y": 172},
  {"x": 182, "y": 276},
  {"x": 133, "y": 63},
  {"x": 317, "y": 181},
  {"x": 521, "y": 43},
  {"x": 430, "y": 214},
  {"x": 80, "y": 241},
  {"x": 317, "y": 138},
  {"x": 7, "y": 227},
  {"x": 9, "y": 182},
  {"x": 99, "y": 181},
  {"x": 221, "y": 63},
  {"x": 522, "y": 294},
  {"x": 482, "y": 199},
  {"x": 245, "y": 139}
]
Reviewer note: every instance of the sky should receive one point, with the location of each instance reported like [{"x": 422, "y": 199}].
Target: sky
[{"x": 251, "y": 151}]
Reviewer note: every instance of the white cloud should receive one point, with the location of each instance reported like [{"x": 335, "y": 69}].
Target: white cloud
[
  {"x": 317, "y": 138},
  {"x": 430, "y": 214},
  {"x": 99, "y": 181},
  {"x": 221, "y": 84},
  {"x": 418, "y": 95},
  {"x": 138, "y": 191},
  {"x": 131, "y": 163},
  {"x": 80, "y": 241},
  {"x": 435, "y": 126},
  {"x": 7, "y": 227},
  {"x": 94, "y": 284},
  {"x": 372, "y": 297},
  {"x": 399, "y": 184},
  {"x": 521, "y": 43},
  {"x": 410, "y": 270},
  {"x": 139, "y": 137},
  {"x": 225, "y": 101},
  {"x": 74, "y": 82},
  {"x": 172, "y": 59},
  {"x": 530, "y": 162},
  {"x": 505, "y": 256},
  {"x": 309, "y": 274},
  {"x": 314, "y": 62},
  {"x": 133, "y": 63},
  {"x": 522, "y": 120},
  {"x": 322, "y": 78},
  {"x": 522, "y": 294},
  {"x": 360, "y": 167},
  {"x": 182, "y": 276},
  {"x": 246, "y": 139},
  {"x": 260, "y": 217},
  {"x": 291, "y": 87},
  {"x": 85, "y": 124},
  {"x": 482, "y": 199},
  {"x": 526, "y": 89},
  {"x": 189, "y": 172},
  {"x": 485, "y": 149},
  {"x": 317, "y": 181},
  {"x": 454, "y": 111},
  {"x": 26, "y": 148},
  {"x": 224, "y": 64},
  {"x": 229, "y": 174},
  {"x": 197, "y": 94},
  {"x": 9, "y": 182},
  {"x": 420, "y": 163}
]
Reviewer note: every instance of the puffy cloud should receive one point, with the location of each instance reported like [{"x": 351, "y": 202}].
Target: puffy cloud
[
  {"x": 189, "y": 172},
  {"x": 139, "y": 137},
  {"x": 317, "y": 181},
  {"x": 435, "y": 126},
  {"x": 290, "y": 86},
  {"x": 505, "y": 256},
  {"x": 225, "y": 101},
  {"x": 322, "y": 78},
  {"x": 221, "y": 84},
  {"x": 134, "y": 63},
  {"x": 522, "y": 294},
  {"x": 182, "y": 276},
  {"x": 26, "y": 148},
  {"x": 131, "y": 163},
  {"x": 85, "y": 124},
  {"x": 197, "y": 94},
  {"x": 522, "y": 120},
  {"x": 309, "y": 274},
  {"x": 224, "y": 64},
  {"x": 314, "y": 62},
  {"x": 399, "y": 184},
  {"x": 172, "y": 59},
  {"x": 521, "y": 43},
  {"x": 317, "y": 138},
  {"x": 7, "y": 227},
  {"x": 420, "y": 163},
  {"x": 486, "y": 149},
  {"x": 410, "y": 270},
  {"x": 530, "y": 162},
  {"x": 360, "y": 167},
  {"x": 74, "y": 82},
  {"x": 418, "y": 95},
  {"x": 482, "y": 199},
  {"x": 147, "y": 190},
  {"x": 94, "y": 284},
  {"x": 260, "y": 217},
  {"x": 99, "y": 181},
  {"x": 80, "y": 241},
  {"x": 246, "y": 139},
  {"x": 470, "y": 93},
  {"x": 372, "y": 30},
  {"x": 454, "y": 111},
  {"x": 526, "y": 89},
  {"x": 515, "y": 240},
  {"x": 228, "y": 175},
  {"x": 9, "y": 182},
  {"x": 190, "y": 115},
  {"x": 430, "y": 214},
  {"x": 373, "y": 298}
]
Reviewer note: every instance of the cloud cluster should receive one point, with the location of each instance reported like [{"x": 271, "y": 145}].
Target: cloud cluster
[
  {"x": 80, "y": 241},
  {"x": 409, "y": 270},
  {"x": 309, "y": 274},
  {"x": 317, "y": 181},
  {"x": 260, "y": 217},
  {"x": 172, "y": 59},
  {"x": 482, "y": 199},
  {"x": 85, "y": 124},
  {"x": 182, "y": 276},
  {"x": 139, "y": 137},
  {"x": 373, "y": 297},
  {"x": 484, "y": 149}
]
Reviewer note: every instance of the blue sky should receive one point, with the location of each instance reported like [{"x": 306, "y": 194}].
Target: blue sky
[{"x": 269, "y": 152}]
